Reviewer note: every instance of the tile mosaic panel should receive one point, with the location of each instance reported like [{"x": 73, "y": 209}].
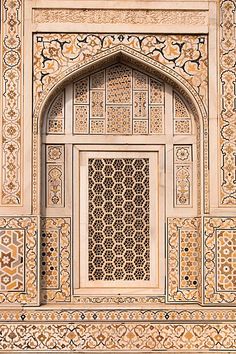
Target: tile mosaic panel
[
  {"x": 184, "y": 260},
  {"x": 12, "y": 272},
  {"x": 55, "y": 259},
  {"x": 18, "y": 260},
  {"x": 219, "y": 261}
]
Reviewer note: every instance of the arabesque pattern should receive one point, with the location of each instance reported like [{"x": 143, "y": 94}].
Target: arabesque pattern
[
  {"x": 227, "y": 92},
  {"x": 11, "y": 101}
]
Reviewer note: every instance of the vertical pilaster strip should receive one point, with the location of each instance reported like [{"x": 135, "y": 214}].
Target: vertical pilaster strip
[
  {"x": 12, "y": 108},
  {"x": 227, "y": 102}
]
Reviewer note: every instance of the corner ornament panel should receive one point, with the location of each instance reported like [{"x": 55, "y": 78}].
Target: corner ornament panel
[{"x": 18, "y": 261}]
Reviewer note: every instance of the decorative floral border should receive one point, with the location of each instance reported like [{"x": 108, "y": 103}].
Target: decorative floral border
[
  {"x": 30, "y": 295},
  {"x": 227, "y": 127},
  {"x": 117, "y": 337},
  {"x": 12, "y": 107}
]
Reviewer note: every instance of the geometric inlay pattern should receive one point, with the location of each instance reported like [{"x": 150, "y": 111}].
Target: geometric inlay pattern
[
  {"x": 12, "y": 260},
  {"x": 118, "y": 240},
  {"x": 118, "y": 100},
  {"x": 18, "y": 260},
  {"x": 226, "y": 260},
  {"x": 55, "y": 259},
  {"x": 184, "y": 259},
  {"x": 219, "y": 261},
  {"x": 182, "y": 117},
  {"x": 56, "y": 116}
]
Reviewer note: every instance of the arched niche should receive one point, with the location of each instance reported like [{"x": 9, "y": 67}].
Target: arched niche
[{"x": 71, "y": 152}]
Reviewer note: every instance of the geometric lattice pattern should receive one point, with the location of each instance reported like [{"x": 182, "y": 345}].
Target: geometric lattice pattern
[
  {"x": 118, "y": 239},
  {"x": 189, "y": 259},
  {"x": 118, "y": 100},
  {"x": 50, "y": 262},
  {"x": 55, "y": 259},
  {"x": 183, "y": 255},
  {"x": 182, "y": 117},
  {"x": 219, "y": 249},
  {"x": 226, "y": 260},
  {"x": 12, "y": 260},
  {"x": 55, "y": 119}
]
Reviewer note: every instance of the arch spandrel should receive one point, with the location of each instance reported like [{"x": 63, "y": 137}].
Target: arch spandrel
[{"x": 124, "y": 54}]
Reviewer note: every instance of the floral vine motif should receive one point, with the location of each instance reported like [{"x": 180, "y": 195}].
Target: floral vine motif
[
  {"x": 112, "y": 337},
  {"x": 228, "y": 114},
  {"x": 11, "y": 102},
  {"x": 187, "y": 54}
]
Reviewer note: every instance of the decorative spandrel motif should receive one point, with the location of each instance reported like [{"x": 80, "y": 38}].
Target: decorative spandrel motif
[
  {"x": 118, "y": 100},
  {"x": 183, "y": 175},
  {"x": 118, "y": 223},
  {"x": 182, "y": 117},
  {"x": 12, "y": 270},
  {"x": 56, "y": 116},
  {"x": 55, "y": 175}
]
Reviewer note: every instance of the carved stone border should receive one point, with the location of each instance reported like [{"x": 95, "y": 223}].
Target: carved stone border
[
  {"x": 117, "y": 337},
  {"x": 30, "y": 295}
]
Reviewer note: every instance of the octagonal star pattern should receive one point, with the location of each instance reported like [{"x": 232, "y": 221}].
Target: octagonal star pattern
[
  {"x": 11, "y": 260},
  {"x": 119, "y": 240}
]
